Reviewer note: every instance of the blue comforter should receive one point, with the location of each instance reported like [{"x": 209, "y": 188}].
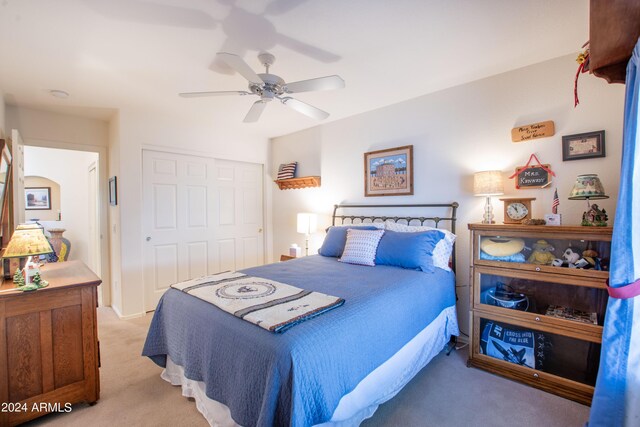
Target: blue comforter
[{"x": 297, "y": 378}]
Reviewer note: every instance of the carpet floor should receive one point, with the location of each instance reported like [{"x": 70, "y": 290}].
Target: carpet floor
[{"x": 445, "y": 393}]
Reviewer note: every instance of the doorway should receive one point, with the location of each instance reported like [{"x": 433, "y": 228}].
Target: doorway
[{"x": 70, "y": 178}]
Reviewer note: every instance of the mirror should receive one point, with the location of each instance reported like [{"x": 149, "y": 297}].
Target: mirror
[{"x": 5, "y": 162}]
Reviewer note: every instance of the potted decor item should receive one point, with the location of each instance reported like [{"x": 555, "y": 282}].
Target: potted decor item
[{"x": 61, "y": 245}]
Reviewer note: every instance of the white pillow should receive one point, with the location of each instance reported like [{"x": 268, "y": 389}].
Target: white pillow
[
  {"x": 443, "y": 249},
  {"x": 378, "y": 225},
  {"x": 361, "y": 246}
]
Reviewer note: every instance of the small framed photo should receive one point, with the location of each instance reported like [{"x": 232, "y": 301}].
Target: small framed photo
[
  {"x": 113, "y": 191},
  {"x": 37, "y": 198},
  {"x": 389, "y": 172},
  {"x": 583, "y": 146}
]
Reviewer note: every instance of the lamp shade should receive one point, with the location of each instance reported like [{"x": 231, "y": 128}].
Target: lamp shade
[
  {"x": 488, "y": 183},
  {"x": 26, "y": 242},
  {"x": 587, "y": 186},
  {"x": 307, "y": 223}
]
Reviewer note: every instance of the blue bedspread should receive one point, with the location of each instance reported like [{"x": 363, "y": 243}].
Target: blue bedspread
[{"x": 298, "y": 378}]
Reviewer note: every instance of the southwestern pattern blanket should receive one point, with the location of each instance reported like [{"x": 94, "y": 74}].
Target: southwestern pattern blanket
[{"x": 269, "y": 304}]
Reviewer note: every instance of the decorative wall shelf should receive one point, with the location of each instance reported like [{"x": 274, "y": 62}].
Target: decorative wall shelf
[{"x": 302, "y": 182}]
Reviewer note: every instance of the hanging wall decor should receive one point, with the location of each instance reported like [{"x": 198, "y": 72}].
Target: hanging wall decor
[
  {"x": 113, "y": 191},
  {"x": 533, "y": 131},
  {"x": 389, "y": 172},
  {"x": 533, "y": 175},
  {"x": 583, "y": 146}
]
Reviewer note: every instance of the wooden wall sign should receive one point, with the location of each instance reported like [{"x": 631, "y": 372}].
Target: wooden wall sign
[{"x": 533, "y": 131}]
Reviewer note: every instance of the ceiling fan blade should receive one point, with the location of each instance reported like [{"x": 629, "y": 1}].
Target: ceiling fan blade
[
  {"x": 216, "y": 93},
  {"x": 304, "y": 108},
  {"x": 238, "y": 64},
  {"x": 255, "y": 111},
  {"x": 321, "y": 83}
]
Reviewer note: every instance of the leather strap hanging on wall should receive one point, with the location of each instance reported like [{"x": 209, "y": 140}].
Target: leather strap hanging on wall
[{"x": 614, "y": 30}]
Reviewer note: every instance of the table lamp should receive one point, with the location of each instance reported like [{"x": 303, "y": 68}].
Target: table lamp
[
  {"x": 27, "y": 241},
  {"x": 487, "y": 184},
  {"x": 307, "y": 224},
  {"x": 589, "y": 187}
]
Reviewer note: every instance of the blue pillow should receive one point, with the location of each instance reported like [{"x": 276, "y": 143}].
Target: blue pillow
[
  {"x": 336, "y": 238},
  {"x": 408, "y": 250}
]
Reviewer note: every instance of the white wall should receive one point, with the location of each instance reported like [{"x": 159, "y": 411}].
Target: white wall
[
  {"x": 114, "y": 215},
  {"x": 38, "y": 125},
  {"x": 70, "y": 170},
  {"x": 456, "y": 132}
]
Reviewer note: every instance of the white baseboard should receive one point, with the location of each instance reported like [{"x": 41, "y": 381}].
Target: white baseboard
[
  {"x": 131, "y": 316},
  {"x": 463, "y": 339}
]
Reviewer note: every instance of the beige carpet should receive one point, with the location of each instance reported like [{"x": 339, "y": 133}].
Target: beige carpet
[{"x": 445, "y": 393}]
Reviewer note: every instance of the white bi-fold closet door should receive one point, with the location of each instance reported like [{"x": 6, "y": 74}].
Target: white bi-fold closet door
[{"x": 200, "y": 216}]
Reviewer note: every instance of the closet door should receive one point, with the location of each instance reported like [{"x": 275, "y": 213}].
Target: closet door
[
  {"x": 200, "y": 216},
  {"x": 238, "y": 215}
]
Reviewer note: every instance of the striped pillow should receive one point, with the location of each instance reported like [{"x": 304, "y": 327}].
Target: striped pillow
[
  {"x": 287, "y": 170},
  {"x": 361, "y": 246}
]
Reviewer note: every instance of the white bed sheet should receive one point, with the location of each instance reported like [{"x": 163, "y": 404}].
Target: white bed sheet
[{"x": 379, "y": 386}]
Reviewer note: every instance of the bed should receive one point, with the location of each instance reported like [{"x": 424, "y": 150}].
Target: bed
[{"x": 334, "y": 369}]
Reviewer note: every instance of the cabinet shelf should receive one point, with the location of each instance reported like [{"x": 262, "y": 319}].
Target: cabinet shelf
[{"x": 295, "y": 183}]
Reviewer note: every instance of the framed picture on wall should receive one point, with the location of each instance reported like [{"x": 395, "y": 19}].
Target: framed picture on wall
[
  {"x": 583, "y": 146},
  {"x": 37, "y": 198},
  {"x": 389, "y": 172},
  {"x": 113, "y": 191}
]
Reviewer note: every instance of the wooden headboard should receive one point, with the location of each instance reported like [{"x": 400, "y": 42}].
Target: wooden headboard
[{"x": 412, "y": 220}]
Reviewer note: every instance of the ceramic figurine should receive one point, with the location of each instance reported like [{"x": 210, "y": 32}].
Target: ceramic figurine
[{"x": 595, "y": 217}]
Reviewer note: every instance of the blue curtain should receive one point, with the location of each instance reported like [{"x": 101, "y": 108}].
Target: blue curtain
[{"x": 617, "y": 397}]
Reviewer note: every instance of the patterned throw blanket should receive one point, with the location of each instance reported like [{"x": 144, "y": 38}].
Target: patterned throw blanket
[{"x": 271, "y": 305}]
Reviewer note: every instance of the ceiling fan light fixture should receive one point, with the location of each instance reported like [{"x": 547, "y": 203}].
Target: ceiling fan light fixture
[{"x": 270, "y": 86}]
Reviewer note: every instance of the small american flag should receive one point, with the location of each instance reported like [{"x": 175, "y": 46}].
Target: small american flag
[{"x": 556, "y": 202}]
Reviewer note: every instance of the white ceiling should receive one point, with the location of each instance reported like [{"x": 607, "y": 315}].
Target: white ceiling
[{"x": 113, "y": 54}]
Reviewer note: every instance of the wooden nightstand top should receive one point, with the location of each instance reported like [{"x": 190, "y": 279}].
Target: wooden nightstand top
[{"x": 59, "y": 275}]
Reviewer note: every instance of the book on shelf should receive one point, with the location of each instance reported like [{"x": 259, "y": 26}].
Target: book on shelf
[{"x": 569, "y": 313}]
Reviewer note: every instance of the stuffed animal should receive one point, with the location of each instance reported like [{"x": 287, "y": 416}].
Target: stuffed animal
[
  {"x": 573, "y": 259},
  {"x": 570, "y": 256},
  {"x": 542, "y": 253}
]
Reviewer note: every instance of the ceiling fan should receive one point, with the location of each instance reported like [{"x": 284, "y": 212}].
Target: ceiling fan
[{"x": 269, "y": 87}]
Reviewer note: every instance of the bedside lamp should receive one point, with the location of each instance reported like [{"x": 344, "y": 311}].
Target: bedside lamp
[
  {"x": 307, "y": 224},
  {"x": 27, "y": 241},
  {"x": 487, "y": 184},
  {"x": 589, "y": 187}
]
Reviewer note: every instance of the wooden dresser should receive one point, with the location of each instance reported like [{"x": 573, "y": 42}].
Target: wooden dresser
[
  {"x": 523, "y": 335},
  {"x": 49, "y": 354}
]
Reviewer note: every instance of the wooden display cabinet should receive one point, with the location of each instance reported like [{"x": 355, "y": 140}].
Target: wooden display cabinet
[
  {"x": 566, "y": 352},
  {"x": 49, "y": 357}
]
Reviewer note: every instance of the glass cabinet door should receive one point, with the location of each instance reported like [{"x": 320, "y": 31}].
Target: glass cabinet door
[
  {"x": 545, "y": 252},
  {"x": 563, "y": 357},
  {"x": 542, "y": 297}
]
